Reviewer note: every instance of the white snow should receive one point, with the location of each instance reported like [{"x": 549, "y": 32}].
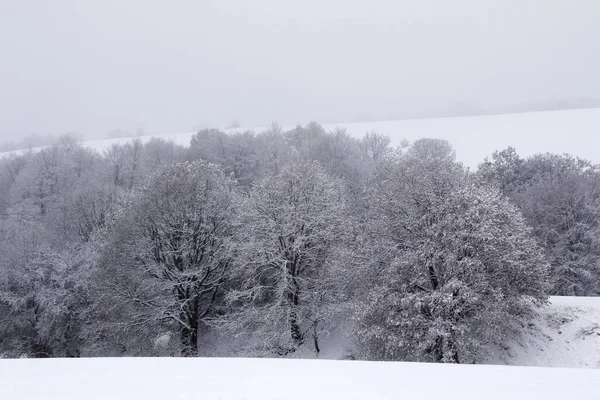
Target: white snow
[
  {"x": 565, "y": 334},
  {"x": 565, "y": 131},
  {"x": 576, "y": 132},
  {"x": 264, "y": 379},
  {"x": 100, "y": 145}
]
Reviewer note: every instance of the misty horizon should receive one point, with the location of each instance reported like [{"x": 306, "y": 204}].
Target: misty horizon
[{"x": 92, "y": 68}]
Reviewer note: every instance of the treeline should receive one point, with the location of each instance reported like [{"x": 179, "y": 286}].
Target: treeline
[
  {"x": 33, "y": 141},
  {"x": 266, "y": 242}
]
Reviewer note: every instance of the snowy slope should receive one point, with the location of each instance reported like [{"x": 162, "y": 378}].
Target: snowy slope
[
  {"x": 264, "y": 379},
  {"x": 565, "y": 334},
  {"x": 567, "y": 131},
  {"x": 182, "y": 139},
  {"x": 474, "y": 138}
]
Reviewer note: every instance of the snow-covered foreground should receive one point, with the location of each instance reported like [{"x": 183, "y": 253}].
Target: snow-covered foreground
[
  {"x": 263, "y": 379},
  {"x": 565, "y": 131},
  {"x": 566, "y": 334}
]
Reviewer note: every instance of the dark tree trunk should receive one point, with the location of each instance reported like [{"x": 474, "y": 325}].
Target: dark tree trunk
[
  {"x": 439, "y": 350},
  {"x": 293, "y": 298},
  {"x": 189, "y": 342},
  {"x": 433, "y": 276},
  {"x": 295, "y": 331},
  {"x": 316, "y": 339},
  {"x": 189, "y": 334},
  {"x": 453, "y": 351},
  {"x": 443, "y": 348}
]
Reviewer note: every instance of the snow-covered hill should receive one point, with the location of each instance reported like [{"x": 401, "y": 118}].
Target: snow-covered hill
[
  {"x": 265, "y": 379},
  {"x": 565, "y": 334},
  {"x": 566, "y": 131}
]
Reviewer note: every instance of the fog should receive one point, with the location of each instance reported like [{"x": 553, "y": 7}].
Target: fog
[{"x": 168, "y": 66}]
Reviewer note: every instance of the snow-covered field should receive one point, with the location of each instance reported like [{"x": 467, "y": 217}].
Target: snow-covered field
[
  {"x": 566, "y": 131},
  {"x": 567, "y": 334},
  {"x": 264, "y": 379}
]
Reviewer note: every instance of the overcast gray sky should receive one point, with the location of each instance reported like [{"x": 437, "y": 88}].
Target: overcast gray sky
[{"x": 173, "y": 65}]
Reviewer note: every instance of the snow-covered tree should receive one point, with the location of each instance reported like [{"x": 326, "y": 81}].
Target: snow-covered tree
[
  {"x": 124, "y": 161},
  {"x": 376, "y": 147},
  {"x": 564, "y": 212},
  {"x": 158, "y": 153},
  {"x": 43, "y": 295},
  {"x": 290, "y": 229},
  {"x": 236, "y": 153},
  {"x": 273, "y": 151},
  {"x": 559, "y": 195},
  {"x": 168, "y": 250},
  {"x": 505, "y": 170},
  {"x": 457, "y": 269}
]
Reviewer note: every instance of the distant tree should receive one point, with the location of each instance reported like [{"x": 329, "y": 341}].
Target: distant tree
[
  {"x": 48, "y": 175},
  {"x": 116, "y": 157},
  {"x": 10, "y": 167},
  {"x": 273, "y": 151},
  {"x": 505, "y": 170},
  {"x": 209, "y": 145},
  {"x": 158, "y": 153},
  {"x": 376, "y": 147},
  {"x": 124, "y": 161},
  {"x": 304, "y": 140},
  {"x": 237, "y": 153}
]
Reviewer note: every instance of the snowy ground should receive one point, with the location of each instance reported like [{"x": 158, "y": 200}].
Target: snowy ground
[
  {"x": 249, "y": 379},
  {"x": 566, "y": 334},
  {"x": 566, "y": 131}
]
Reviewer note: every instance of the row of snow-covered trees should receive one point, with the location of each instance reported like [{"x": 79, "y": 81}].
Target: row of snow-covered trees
[{"x": 260, "y": 244}]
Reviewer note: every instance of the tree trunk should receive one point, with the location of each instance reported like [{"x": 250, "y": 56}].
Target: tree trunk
[
  {"x": 189, "y": 334},
  {"x": 439, "y": 350},
  {"x": 316, "y": 339},
  {"x": 295, "y": 331},
  {"x": 293, "y": 300},
  {"x": 445, "y": 351},
  {"x": 189, "y": 342},
  {"x": 433, "y": 276},
  {"x": 453, "y": 351}
]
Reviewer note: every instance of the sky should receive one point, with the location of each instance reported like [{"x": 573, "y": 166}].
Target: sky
[{"x": 178, "y": 65}]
